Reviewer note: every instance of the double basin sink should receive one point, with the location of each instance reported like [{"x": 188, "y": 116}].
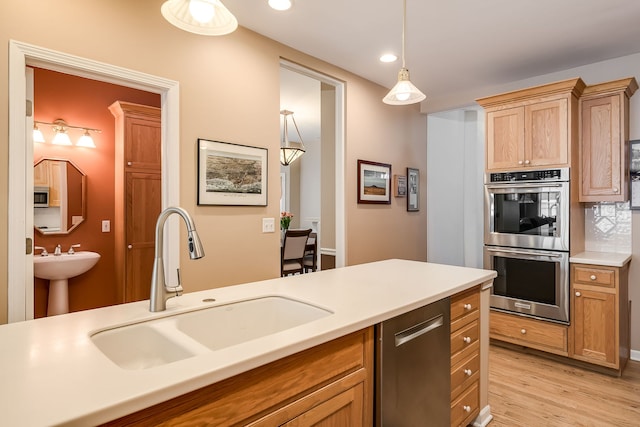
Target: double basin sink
[{"x": 168, "y": 339}]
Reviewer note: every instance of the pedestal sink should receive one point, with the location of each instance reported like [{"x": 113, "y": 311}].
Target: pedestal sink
[{"x": 58, "y": 269}]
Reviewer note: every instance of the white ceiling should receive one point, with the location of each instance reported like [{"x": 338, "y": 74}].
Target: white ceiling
[{"x": 452, "y": 45}]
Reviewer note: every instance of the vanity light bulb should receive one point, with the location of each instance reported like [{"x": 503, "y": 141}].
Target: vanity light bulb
[
  {"x": 37, "y": 135},
  {"x": 86, "y": 141},
  {"x": 280, "y": 4},
  {"x": 202, "y": 10},
  {"x": 61, "y": 138}
]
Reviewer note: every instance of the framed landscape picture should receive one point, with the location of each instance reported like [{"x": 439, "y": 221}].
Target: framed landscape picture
[
  {"x": 231, "y": 174},
  {"x": 413, "y": 190},
  {"x": 374, "y": 182}
]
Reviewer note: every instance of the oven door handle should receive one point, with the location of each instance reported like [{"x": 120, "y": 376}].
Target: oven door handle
[
  {"x": 523, "y": 185},
  {"x": 518, "y": 252}
]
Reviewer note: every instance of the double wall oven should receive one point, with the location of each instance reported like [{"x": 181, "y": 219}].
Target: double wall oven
[{"x": 527, "y": 241}]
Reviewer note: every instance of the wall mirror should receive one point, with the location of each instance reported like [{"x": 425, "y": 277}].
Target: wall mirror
[{"x": 59, "y": 196}]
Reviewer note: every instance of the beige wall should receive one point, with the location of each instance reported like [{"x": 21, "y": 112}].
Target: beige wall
[{"x": 229, "y": 91}]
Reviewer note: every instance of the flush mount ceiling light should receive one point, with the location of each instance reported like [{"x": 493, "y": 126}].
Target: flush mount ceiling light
[
  {"x": 388, "y": 57},
  {"x": 280, "y": 4},
  {"x": 290, "y": 150},
  {"x": 204, "y": 17},
  {"x": 60, "y": 127},
  {"x": 404, "y": 92}
]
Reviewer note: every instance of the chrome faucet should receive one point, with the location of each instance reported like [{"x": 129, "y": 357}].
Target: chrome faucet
[
  {"x": 57, "y": 251},
  {"x": 160, "y": 292}
]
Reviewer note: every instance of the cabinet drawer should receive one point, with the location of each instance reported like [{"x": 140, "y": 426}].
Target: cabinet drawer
[
  {"x": 464, "y": 304},
  {"x": 594, "y": 276},
  {"x": 466, "y": 407},
  {"x": 464, "y": 373},
  {"x": 464, "y": 342},
  {"x": 533, "y": 333}
]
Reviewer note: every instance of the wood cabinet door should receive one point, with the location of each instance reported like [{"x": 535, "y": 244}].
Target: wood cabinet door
[
  {"x": 143, "y": 148},
  {"x": 546, "y": 133},
  {"x": 55, "y": 181},
  {"x": 602, "y": 150},
  {"x": 344, "y": 409},
  {"x": 594, "y": 325},
  {"x": 505, "y": 138}
]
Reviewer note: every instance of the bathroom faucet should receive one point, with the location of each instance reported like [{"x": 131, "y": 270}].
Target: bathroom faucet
[
  {"x": 57, "y": 251},
  {"x": 160, "y": 292}
]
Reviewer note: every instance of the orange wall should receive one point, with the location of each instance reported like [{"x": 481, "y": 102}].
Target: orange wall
[{"x": 84, "y": 102}]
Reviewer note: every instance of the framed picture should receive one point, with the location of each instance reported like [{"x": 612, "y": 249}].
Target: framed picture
[
  {"x": 634, "y": 172},
  {"x": 374, "y": 182},
  {"x": 231, "y": 174},
  {"x": 399, "y": 185},
  {"x": 413, "y": 190}
]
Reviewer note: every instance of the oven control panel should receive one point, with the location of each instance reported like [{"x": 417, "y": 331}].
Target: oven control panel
[{"x": 561, "y": 174}]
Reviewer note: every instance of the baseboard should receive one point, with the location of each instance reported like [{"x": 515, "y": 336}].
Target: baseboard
[
  {"x": 483, "y": 419},
  {"x": 635, "y": 355}
]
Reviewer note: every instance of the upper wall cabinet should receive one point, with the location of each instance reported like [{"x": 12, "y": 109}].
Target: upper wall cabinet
[
  {"x": 532, "y": 128},
  {"x": 604, "y": 137}
]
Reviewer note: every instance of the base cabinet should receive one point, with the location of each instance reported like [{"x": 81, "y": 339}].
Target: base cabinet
[
  {"x": 330, "y": 385},
  {"x": 600, "y": 316}
]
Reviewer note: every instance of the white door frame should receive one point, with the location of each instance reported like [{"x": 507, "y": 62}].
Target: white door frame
[
  {"x": 340, "y": 148},
  {"x": 20, "y": 206}
]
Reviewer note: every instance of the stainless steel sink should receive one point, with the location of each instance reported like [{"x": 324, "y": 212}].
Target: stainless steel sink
[{"x": 178, "y": 337}]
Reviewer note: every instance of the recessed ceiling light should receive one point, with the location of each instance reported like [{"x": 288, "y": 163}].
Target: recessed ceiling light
[
  {"x": 280, "y": 4},
  {"x": 388, "y": 57}
]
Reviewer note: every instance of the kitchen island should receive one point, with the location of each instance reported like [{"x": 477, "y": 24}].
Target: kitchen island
[{"x": 52, "y": 373}]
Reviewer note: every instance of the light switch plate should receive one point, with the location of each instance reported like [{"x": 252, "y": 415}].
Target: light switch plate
[
  {"x": 268, "y": 225},
  {"x": 106, "y": 226}
]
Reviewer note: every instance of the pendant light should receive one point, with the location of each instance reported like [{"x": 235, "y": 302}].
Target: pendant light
[
  {"x": 204, "y": 17},
  {"x": 290, "y": 151},
  {"x": 404, "y": 92}
]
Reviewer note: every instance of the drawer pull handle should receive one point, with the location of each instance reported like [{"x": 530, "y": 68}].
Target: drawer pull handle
[
  {"x": 468, "y": 372},
  {"x": 467, "y": 306},
  {"x": 578, "y": 294},
  {"x": 593, "y": 277},
  {"x": 466, "y": 408},
  {"x": 466, "y": 339},
  {"x": 523, "y": 331}
]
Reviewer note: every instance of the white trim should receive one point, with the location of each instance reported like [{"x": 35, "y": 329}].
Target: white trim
[
  {"x": 327, "y": 251},
  {"x": 20, "y": 284},
  {"x": 340, "y": 251},
  {"x": 635, "y": 355}
]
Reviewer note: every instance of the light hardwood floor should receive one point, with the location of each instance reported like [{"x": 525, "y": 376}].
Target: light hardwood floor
[{"x": 529, "y": 390}]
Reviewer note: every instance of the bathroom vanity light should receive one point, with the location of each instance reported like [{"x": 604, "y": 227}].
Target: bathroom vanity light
[
  {"x": 204, "y": 17},
  {"x": 290, "y": 150},
  {"x": 404, "y": 92},
  {"x": 61, "y": 137}
]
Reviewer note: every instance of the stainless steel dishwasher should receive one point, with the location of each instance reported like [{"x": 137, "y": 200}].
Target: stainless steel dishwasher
[{"x": 413, "y": 368}]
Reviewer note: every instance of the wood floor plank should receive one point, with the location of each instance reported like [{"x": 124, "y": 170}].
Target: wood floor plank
[{"x": 529, "y": 390}]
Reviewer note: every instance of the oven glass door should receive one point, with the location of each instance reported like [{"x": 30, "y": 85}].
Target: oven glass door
[
  {"x": 528, "y": 215},
  {"x": 530, "y": 282}
]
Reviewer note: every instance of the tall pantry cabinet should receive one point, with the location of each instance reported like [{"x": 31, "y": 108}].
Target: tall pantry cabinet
[{"x": 138, "y": 196}]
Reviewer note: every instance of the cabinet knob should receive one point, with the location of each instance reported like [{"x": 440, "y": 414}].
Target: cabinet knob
[
  {"x": 468, "y": 372},
  {"x": 593, "y": 277},
  {"x": 615, "y": 190},
  {"x": 129, "y": 246},
  {"x": 467, "y": 306},
  {"x": 578, "y": 294},
  {"x": 526, "y": 162},
  {"x": 466, "y": 408},
  {"x": 520, "y": 162},
  {"x": 523, "y": 331},
  {"x": 466, "y": 339},
  {"x": 129, "y": 163}
]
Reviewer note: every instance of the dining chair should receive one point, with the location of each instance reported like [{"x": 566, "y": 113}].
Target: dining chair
[
  {"x": 292, "y": 252},
  {"x": 310, "y": 260}
]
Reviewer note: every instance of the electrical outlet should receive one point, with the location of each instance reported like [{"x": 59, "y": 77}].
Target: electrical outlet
[
  {"x": 106, "y": 226},
  {"x": 268, "y": 225}
]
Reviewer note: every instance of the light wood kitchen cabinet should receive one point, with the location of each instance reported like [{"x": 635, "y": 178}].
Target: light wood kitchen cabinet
[
  {"x": 465, "y": 357},
  {"x": 532, "y": 128},
  {"x": 604, "y": 137},
  {"x": 539, "y": 334},
  {"x": 330, "y": 384},
  {"x": 49, "y": 174},
  {"x": 600, "y": 315}
]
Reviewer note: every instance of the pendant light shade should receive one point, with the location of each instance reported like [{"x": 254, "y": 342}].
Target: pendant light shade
[
  {"x": 404, "y": 92},
  {"x": 204, "y": 17},
  {"x": 290, "y": 151}
]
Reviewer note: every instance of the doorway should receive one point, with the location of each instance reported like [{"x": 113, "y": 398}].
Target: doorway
[
  {"x": 313, "y": 186},
  {"x": 20, "y": 209}
]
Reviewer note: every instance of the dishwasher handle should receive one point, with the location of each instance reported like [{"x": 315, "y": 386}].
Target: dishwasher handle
[{"x": 421, "y": 328}]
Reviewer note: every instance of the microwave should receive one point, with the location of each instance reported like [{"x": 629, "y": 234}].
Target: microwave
[{"x": 40, "y": 197}]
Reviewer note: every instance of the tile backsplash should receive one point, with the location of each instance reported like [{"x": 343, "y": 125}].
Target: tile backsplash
[{"x": 608, "y": 227}]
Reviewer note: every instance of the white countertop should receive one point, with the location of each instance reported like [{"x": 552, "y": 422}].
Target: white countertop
[
  {"x": 51, "y": 373},
  {"x": 610, "y": 259}
]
